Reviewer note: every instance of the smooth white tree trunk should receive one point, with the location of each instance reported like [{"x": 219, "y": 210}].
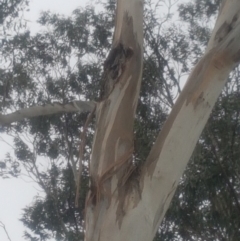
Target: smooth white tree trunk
[
  {"x": 111, "y": 164},
  {"x": 123, "y": 204}
]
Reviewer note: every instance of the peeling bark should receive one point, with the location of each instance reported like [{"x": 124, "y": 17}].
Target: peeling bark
[
  {"x": 125, "y": 205},
  {"x": 111, "y": 162}
]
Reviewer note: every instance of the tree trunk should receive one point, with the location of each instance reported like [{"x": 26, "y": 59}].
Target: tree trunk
[{"x": 124, "y": 204}]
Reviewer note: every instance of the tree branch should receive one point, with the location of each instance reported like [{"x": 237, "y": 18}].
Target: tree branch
[
  {"x": 70, "y": 155},
  {"x": 178, "y": 137},
  {"x": 5, "y": 230},
  {"x": 49, "y": 109}
]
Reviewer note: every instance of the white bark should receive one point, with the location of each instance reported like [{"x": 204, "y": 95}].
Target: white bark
[
  {"x": 49, "y": 109},
  {"x": 127, "y": 207},
  {"x": 113, "y": 141},
  {"x": 176, "y": 142}
]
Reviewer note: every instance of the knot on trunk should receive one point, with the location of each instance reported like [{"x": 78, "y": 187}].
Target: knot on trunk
[{"x": 114, "y": 67}]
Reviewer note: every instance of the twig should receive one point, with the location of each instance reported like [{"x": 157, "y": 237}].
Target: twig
[
  {"x": 70, "y": 156},
  {"x": 5, "y": 230}
]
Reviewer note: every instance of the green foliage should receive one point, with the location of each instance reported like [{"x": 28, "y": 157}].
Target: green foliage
[
  {"x": 9, "y": 167},
  {"x": 49, "y": 217},
  {"x": 11, "y": 18},
  {"x": 11, "y": 9}
]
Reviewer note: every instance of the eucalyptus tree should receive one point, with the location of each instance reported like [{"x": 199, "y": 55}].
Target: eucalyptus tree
[
  {"x": 119, "y": 197},
  {"x": 122, "y": 187}
]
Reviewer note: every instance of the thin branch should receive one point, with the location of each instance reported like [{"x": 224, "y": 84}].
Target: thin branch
[
  {"x": 49, "y": 109},
  {"x": 161, "y": 60},
  {"x": 5, "y": 230},
  {"x": 81, "y": 154},
  {"x": 70, "y": 153}
]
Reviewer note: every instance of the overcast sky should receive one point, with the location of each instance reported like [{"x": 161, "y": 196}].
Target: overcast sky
[{"x": 18, "y": 193}]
